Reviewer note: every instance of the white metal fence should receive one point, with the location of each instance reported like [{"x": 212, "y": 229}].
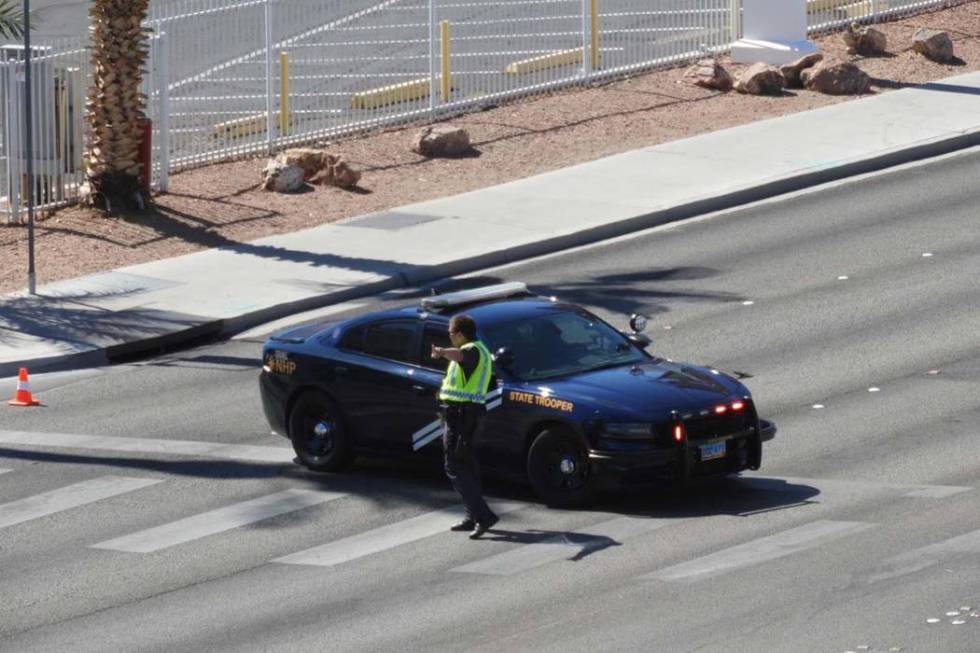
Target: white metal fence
[
  {"x": 59, "y": 79},
  {"x": 233, "y": 77}
]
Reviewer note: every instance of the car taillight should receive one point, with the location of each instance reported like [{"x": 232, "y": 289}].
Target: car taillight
[
  {"x": 720, "y": 409},
  {"x": 678, "y": 432},
  {"x": 738, "y": 405}
]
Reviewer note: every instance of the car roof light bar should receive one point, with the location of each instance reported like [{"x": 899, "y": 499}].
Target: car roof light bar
[{"x": 498, "y": 291}]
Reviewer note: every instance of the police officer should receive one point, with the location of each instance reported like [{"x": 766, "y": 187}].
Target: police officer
[{"x": 462, "y": 403}]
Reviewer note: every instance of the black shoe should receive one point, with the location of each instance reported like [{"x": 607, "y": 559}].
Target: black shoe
[
  {"x": 465, "y": 525},
  {"x": 482, "y": 528}
]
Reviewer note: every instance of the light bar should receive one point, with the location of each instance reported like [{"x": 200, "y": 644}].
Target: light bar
[{"x": 498, "y": 291}]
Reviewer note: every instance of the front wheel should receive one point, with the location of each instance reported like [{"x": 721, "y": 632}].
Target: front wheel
[
  {"x": 558, "y": 469},
  {"x": 318, "y": 435}
]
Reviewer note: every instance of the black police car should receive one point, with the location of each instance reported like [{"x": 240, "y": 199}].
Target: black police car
[{"x": 574, "y": 404}]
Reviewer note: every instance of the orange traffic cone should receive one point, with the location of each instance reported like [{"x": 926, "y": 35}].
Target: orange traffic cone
[{"x": 23, "y": 395}]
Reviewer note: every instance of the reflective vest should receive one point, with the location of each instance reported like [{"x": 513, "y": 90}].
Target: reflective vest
[{"x": 456, "y": 387}]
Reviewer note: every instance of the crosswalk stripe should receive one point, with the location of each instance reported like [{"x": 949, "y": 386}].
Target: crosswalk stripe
[
  {"x": 70, "y": 496},
  {"x": 847, "y": 487},
  {"x": 757, "y": 551},
  {"x": 386, "y": 537},
  {"x": 564, "y": 546},
  {"x": 216, "y": 521},
  {"x": 928, "y": 556},
  {"x": 151, "y": 445}
]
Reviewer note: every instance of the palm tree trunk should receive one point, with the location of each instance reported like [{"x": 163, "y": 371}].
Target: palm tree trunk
[{"x": 115, "y": 109}]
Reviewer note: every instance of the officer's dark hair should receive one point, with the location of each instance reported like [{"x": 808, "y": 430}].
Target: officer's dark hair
[{"x": 465, "y": 325}]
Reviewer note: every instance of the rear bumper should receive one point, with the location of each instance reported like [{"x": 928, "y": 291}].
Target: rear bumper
[{"x": 273, "y": 403}]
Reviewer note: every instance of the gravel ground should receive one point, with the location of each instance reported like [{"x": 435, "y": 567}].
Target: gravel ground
[{"x": 221, "y": 204}]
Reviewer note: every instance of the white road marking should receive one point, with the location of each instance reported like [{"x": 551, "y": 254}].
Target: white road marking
[
  {"x": 834, "y": 488},
  {"x": 4, "y": 471},
  {"x": 761, "y": 550},
  {"x": 927, "y": 556},
  {"x": 150, "y": 445},
  {"x": 387, "y": 537},
  {"x": 217, "y": 521},
  {"x": 70, "y": 496},
  {"x": 564, "y": 546}
]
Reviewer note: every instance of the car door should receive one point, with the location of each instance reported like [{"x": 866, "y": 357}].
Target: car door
[
  {"x": 428, "y": 379},
  {"x": 375, "y": 386}
]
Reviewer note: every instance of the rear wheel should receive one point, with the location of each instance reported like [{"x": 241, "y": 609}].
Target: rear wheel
[
  {"x": 317, "y": 432},
  {"x": 558, "y": 469}
]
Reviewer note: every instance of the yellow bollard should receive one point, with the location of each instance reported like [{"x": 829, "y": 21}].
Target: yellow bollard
[
  {"x": 283, "y": 93},
  {"x": 444, "y": 37},
  {"x": 594, "y": 59}
]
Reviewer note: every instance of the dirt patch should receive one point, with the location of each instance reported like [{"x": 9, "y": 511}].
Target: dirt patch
[{"x": 221, "y": 204}]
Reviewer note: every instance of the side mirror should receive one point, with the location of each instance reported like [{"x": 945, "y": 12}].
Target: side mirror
[
  {"x": 503, "y": 357},
  {"x": 639, "y": 339},
  {"x": 638, "y": 322}
]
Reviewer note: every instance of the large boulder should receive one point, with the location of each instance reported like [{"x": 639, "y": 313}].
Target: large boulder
[
  {"x": 708, "y": 73},
  {"x": 441, "y": 140},
  {"x": 282, "y": 177},
  {"x": 760, "y": 79},
  {"x": 835, "y": 77},
  {"x": 934, "y": 44},
  {"x": 791, "y": 71},
  {"x": 866, "y": 41}
]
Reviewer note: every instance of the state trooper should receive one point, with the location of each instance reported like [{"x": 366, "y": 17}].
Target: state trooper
[{"x": 462, "y": 400}]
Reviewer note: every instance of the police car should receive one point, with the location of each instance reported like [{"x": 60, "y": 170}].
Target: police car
[{"x": 574, "y": 406}]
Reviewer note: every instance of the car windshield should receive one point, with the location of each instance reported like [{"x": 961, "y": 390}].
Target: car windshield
[{"x": 561, "y": 343}]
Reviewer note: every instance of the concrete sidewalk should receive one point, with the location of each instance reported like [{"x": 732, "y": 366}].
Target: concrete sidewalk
[{"x": 95, "y": 319}]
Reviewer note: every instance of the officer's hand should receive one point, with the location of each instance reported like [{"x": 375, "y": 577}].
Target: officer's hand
[{"x": 436, "y": 351}]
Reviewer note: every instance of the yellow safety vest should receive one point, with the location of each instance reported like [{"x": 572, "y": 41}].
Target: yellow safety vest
[{"x": 455, "y": 387}]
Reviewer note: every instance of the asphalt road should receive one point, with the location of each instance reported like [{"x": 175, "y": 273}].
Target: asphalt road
[{"x": 862, "y": 526}]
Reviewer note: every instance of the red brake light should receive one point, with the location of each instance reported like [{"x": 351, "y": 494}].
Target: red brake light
[
  {"x": 720, "y": 409},
  {"x": 678, "y": 432},
  {"x": 738, "y": 405}
]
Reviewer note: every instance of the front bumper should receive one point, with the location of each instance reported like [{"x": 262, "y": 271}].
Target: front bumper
[{"x": 680, "y": 463}]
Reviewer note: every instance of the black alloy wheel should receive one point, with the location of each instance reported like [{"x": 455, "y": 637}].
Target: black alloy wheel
[
  {"x": 558, "y": 469},
  {"x": 317, "y": 432}
]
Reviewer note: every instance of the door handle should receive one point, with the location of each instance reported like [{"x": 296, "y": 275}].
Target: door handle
[
  {"x": 421, "y": 389},
  {"x": 341, "y": 369}
]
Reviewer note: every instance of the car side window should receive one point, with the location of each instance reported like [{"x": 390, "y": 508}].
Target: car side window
[
  {"x": 438, "y": 336},
  {"x": 353, "y": 339},
  {"x": 392, "y": 340}
]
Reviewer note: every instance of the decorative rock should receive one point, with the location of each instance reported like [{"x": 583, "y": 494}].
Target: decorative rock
[
  {"x": 282, "y": 177},
  {"x": 760, "y": 79},
  {"x": 708, "y": 73},
  {"x": 441, "y": 140},
  {"x": 791, "y": 71},
  {"x": 336, "y": 172},
  {"x": 866, "y": 41},
  {"x": 307, "y": 158},
  {"x": 836, "y": 78},
  {"x": 934, "y": 44}
]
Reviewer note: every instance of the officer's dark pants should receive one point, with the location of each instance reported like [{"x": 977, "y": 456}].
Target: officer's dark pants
[{"x": 462, "y": 423}]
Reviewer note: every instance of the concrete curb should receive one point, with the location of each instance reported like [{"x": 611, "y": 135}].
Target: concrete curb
[{"x": 228, "y": 327}]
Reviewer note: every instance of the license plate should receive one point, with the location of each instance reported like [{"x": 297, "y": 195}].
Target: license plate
[{"x": 713, "y": 450}]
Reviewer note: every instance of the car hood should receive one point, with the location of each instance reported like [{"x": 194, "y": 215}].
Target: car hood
[{"x": 646, "y": 390}]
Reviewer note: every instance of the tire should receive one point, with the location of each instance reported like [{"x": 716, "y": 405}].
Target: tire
[
  {"x": 558, "y": 469},
  {"x": 317, "y": 432}
]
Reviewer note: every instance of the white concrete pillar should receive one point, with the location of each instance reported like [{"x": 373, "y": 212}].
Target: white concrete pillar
[{"x": 774, "y": 32}]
